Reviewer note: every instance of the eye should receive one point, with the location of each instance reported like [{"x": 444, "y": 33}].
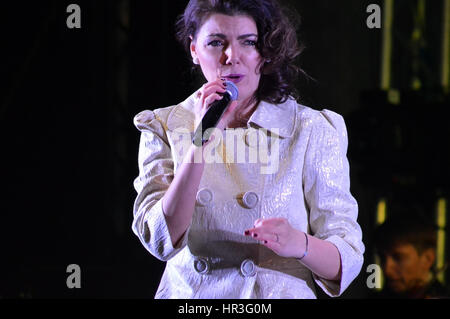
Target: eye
[
  {"x": 250, "y": 42},
  {"x": 215, "y": 43}
]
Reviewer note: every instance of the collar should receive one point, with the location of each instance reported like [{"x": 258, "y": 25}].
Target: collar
[
  {"x": 182, "y": 115},
  {"x": 281, "y": 117}
]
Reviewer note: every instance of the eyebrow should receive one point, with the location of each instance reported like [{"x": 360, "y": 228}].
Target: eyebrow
[{"x": 223, "y": 36}]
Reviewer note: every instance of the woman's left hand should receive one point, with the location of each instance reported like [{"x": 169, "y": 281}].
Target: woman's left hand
[{"x": 278, "y": 235}]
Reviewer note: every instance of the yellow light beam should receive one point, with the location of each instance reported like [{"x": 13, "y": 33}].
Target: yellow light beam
[
  {"x": 445, "y": 76},
  {"x": 386, "y": 54},
  {"x": 441, "y": 237},
  {"x": 381, "y": 212},
  {"x": 380, "y": 274},
  {"x": 380, "y": 219}
]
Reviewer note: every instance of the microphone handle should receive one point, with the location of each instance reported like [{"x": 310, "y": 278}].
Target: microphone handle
[{"x": 211, "y": 119}]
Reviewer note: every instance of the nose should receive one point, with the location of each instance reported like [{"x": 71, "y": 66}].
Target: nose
[{"x": 231, "y": 55}]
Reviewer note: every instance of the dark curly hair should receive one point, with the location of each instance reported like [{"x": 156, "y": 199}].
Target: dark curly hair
[
  {"x": 405, "y": 228},
  {"x": 277, "y": 40}
]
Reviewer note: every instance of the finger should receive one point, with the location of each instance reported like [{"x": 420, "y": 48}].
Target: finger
[
  {"x": 276, "y": 222},
  {"x": 256, "y": 230},
  {"x": 208, "y": 88},
  {"x": 217, "y": 83},
  {"x": 269, "y": 222},
  {"x": 213, "y": 88},
  {"x": 211, "y": 98},
  {"x": 265, "y": 237},
  {"x": 262, "y": 234},
  {"x": 268, "y": 238},
  {"x": 258, "y": 222},
  {"x": 272, "y": 245}
]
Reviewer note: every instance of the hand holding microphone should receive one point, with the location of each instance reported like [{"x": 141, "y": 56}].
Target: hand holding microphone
[{"x": 215, "y": 107}]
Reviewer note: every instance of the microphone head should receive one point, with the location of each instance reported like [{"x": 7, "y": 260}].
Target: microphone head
[{"x": 232, "y": 90}]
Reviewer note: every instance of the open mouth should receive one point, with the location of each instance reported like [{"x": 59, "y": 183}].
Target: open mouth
[{"x": 235, "y": 78}]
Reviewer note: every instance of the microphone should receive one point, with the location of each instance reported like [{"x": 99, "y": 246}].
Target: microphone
[{"x": 214, "y": 113}]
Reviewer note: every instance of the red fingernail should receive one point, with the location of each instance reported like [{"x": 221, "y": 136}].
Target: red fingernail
[
  {"x": 247, "y": 233},
  {"x": 265, "y": 242},
  {"x": 255, "y": 235}
]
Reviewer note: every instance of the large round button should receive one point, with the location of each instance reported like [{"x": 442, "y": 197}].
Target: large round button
[
  {"x": 201, "y": 265},
  {"x": 250, "y": 200},
  {"x": 248, "y": 268},
  {"x": 204, "y": 196}
]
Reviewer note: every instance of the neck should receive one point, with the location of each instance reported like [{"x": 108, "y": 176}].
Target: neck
[{"x": 243, "y": 113}]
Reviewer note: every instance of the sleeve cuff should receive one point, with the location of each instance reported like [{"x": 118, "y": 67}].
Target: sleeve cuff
[
  {"x": 160, "y": 244},
  {"x": 351, "y": 263}
]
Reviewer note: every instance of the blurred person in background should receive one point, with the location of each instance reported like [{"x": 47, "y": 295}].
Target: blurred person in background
[{"x": 406, "y": 244}]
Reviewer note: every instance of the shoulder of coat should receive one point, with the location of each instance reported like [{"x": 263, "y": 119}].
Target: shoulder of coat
[
  {"x": 310, "y": 116},
  {"x": 145, "y": 117}
]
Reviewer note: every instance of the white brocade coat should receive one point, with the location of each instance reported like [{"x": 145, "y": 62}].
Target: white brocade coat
[{"x": 300, "y": 172}]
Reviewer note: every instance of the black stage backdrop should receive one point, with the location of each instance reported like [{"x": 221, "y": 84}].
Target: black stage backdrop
[{"x": 69, "y": 147}]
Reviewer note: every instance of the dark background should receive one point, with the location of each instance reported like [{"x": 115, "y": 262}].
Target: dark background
[{"x": 69, "y": 147}]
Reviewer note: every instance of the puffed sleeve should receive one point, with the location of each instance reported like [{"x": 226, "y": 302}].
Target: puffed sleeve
[
  {"x": 156, "y": 172},
  {"x": 333, "y": 210}
]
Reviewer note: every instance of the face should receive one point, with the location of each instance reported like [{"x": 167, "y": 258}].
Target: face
[
  {"x": 405, "y": 269},
  {"x": 225, "y": 47}
]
